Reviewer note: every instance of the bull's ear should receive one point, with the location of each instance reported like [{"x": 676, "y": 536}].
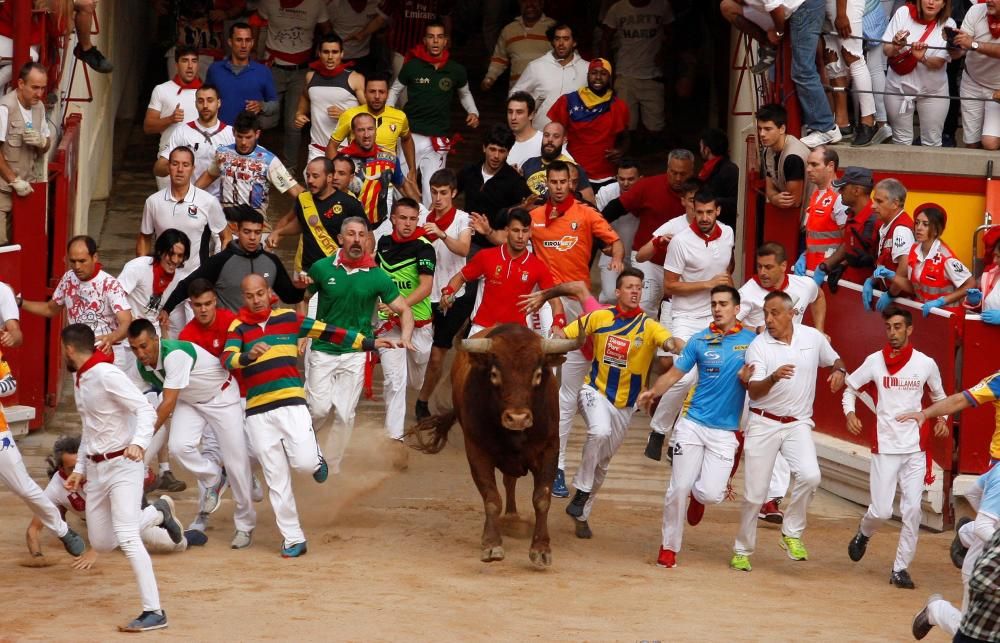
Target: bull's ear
[{"x": 555, "y": 359}]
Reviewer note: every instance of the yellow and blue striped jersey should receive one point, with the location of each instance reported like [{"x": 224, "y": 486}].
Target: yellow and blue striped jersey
[{"x": 624, "y": 348}]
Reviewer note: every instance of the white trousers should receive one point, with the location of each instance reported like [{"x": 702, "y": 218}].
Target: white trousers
[
  {"x": 606, "y": 429},
  {"x": 333, "y": 388},
  {"x": 15, "y": 476},
  {"x": 978, "y": 117},
  {"x": 703, "y": 458},
  {"x": 572, "y": 373},
  {"x": 673, "y": 400},
  {"x": 900, "y": 111},
  {"x": 887, "y": 470},
  {"x": 428, "y": 161},
  {"x": 652, "y": 286},
  {"x": 114, "y": 494},
  {"x": 764, "y": 440},
  {"x": 283, "y": 441},
  {"x": 626, "y": 227},
  {"x": 399, "y": 368},
  {"x": 223, "y": 416}
]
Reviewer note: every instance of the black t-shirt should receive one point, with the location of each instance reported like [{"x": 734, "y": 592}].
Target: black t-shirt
[
  {"x": 794, "y": 169},
  {"x": 332, "y": 212}
]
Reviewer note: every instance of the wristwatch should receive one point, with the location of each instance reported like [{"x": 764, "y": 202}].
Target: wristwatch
[{"x": 974, "y": 46}]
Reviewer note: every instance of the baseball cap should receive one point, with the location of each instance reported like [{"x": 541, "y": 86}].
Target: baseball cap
[
  {"x": 600, "y": 63},
  {"x": 854, "y": 175}
]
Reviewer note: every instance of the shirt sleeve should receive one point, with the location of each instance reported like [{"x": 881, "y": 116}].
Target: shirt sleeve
[
  {"x": 632, "y": 199},
  {"x": 126, "y": 394},
  {"x": 902, "y": 241},
  {"x": 155, "y": 102},
  {"x": 8, "y": 304},
  {"x": 474, "y": 267},
  {"x": 827, "y": 356},
  {"x": 426, "y": 260},
  {"x": 343, "y": 128},
  {"x": 688, "y": 357},
  {"x": 839, "y": 211},
  {"x": 146, "y": 224},
  {"x": 60, "y": 294},
  {"x": 957, "y": 273},
  {"x": 128, "y": 277},
  {"x": 177, "y": 366},
  {"x": 602, "y": 229},
  {"x": 279, "y": 176},
  {"x": 559, "y": 111},
  {"x": 676, "y": 258},
  {"x": 611, "y": 18},
  {"x": 545, "y": 278},
  {"x": 3, "y": 123},
  {"x": 934, "y": 383},
  {"x": 795, "y": 168},
  {"x": 987, "y": 390},
  {"x": 216, "y": 217},
  {"x": 755, "y": 358},
  {"x": 405, "y": 128},
  {"x": 116, "y": 296}
]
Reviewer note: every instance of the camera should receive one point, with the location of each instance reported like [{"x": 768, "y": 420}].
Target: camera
[{"x": 949, "y": 37}]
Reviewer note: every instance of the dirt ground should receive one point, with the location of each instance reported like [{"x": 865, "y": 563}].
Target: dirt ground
[{"x": 396, "y": 556}]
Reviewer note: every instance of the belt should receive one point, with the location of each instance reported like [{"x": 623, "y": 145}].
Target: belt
[
  {"x": 292, "y": 66},
  {"x": 101, "y": 457},
  {"x": 784, "y": 419},
  {"x": 226, "y": 384}
]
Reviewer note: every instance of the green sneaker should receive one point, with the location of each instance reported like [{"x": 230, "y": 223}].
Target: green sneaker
[
  {"x": 740, "y": 562},
  {"x": 796, "y": 550}
]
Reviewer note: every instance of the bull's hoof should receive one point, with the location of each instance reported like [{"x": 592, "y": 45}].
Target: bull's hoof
[
  {"x": 491, "y": 554},
  {"x": 583, "y": 530},
  {"x": 540, "y": 559}
]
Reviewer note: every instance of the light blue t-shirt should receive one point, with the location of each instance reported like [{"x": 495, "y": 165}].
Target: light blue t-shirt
[
  {"x": 990, "y": 484},
  {"x": 719, "y": 395}
]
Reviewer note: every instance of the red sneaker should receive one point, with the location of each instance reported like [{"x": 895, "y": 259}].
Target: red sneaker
[
  {"x": 696, "y": 511},
  {"x": 666, "y": 558},
  {"x": 769, "y": 512}
]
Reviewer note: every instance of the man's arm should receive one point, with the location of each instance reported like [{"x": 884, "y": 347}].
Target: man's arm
[
  {"x": 409, "y": 153},
  {"x": 421, "y": 292},
  {"x": 818, "y": 309},
  {"x": 672, "y": 284},
  {"x": 11, "y": 336},
  {"x": 207, "y": 178},
  {"x": 315, "y": 329},
  {"x": 401, "y": 308},
  {"x": 166, "y": 407},
  {"x": 143, "y": 245},
  {"x": 106, "y": 342},
  {"x": 153, "y": 123},
  {"x": 48, "y": 308},
  {"x": 283, "y": 286},
  {"x": 948, "y": 406}
]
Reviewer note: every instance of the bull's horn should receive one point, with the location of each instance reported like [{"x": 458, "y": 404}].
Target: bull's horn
[
  {"x": 477, "y": 345},
  {"x": 550, "y": 346}
]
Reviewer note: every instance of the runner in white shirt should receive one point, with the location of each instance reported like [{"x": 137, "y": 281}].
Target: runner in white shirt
[
  {"x": 204, "y": 136},
  {"x": 183, "y": 207},
  {"x": 900, "y": 374},
  {"x": 117, "y": 428},
  {"x": 173, "y": 102},
  {"x": 784, "y": 363},
  {"x": 10, "y": 318},
  {"x": 92, "y": 297},
  {"x": 699, "y": 258},
  {"x": 527, "y": 139},
  {"x": 201, "y": 396},
  {"x": 149, "y": 281},
  {"x": 626, "y": 176}
]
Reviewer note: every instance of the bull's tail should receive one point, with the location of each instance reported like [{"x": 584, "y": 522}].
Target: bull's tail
[{"x": 431, "y": 434}]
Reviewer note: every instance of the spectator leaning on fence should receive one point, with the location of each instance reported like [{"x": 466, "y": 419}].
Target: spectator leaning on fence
[{"x": 979, "y": 40}]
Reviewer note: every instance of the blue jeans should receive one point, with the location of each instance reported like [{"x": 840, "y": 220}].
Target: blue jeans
[{"x": 805, "y": 26}]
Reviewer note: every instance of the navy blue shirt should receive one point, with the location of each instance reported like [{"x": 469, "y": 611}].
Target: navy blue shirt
[{"x": 253, "y": 82}]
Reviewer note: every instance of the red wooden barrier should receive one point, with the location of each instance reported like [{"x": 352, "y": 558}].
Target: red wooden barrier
[
  {"x": 11, "y": 259},
  {"x": 979, "y": 359}
]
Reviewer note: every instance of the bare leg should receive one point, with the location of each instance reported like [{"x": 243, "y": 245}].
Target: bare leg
[{"x": 84, "y": 22}]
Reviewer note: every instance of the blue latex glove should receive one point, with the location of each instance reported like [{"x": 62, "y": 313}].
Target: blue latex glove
[
  {"x": 800, "y": 265},
  {"x": 883, "y": 302},
  {"x": 819, "y": 276},
  {"x": 931, "y": 305},
  {"x": 867, "y": 291},
  {"x": 883, "y": 273},
  {"x": 991, "y": 317},
  {"x": 973, "y": 296}
]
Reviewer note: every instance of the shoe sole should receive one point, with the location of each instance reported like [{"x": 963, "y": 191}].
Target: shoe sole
[
  {"x": 126, "y": 628},
  {"x": 560, "y": 495},
  {"x": 740, "y": 569},
  {"x": 167, "y": 500}
]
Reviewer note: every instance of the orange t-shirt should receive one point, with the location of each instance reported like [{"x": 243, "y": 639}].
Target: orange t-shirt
[{"x": 565, "y": 242}]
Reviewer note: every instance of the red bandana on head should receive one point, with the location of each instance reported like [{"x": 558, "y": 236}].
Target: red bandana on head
[
  {"x": 711, "y": 236},
  {"x": 420, "y": 52},
  {"x": 194, "y": 84},
  {"x": 443, "y": 223},
  {"x": 321, "y": 69},
  {"x": 97, "y": 357},
  {"x": 783, "y": 286}
]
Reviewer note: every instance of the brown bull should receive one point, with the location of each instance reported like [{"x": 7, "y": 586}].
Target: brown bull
[{"x": 506, "y": 398}]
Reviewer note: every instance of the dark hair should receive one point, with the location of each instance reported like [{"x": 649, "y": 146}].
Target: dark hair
[
  {"x": 522, "y": 97},
  {"x": 520, "y": 215},
  {"x": 63, "y": 445},
  {"x": 185, "y": 50},
  {"x": 239, "y": 25},
  {"x": 735, "y": 294},
  {"x": 628, "y": 164},
  {"x": 29, "y": 67},
  {"x": 829, "y": 155},
  {"x": 774, "y": 113},
  {"x": 550, "y": 33},
  {"x": 140, "y": 326},
  {"x": 892, "y": 310},
  {"x": 773, "y": 249},
  {"x": 79, "y": 337},
  {"x": 716, "y": 141},
  {"x": 244, "y": 213},
  {"x": 343, "y": 158},
  {"x": 85, "y": 240},
  {"x": 629, "y": 272},
  {"x": 405, "y": 202},
  {"x": 208, "y": 87},
  {"x": 246, "y": 122},
  {"x": 444, "y": 178},
  {"x": 936, "y": 220},
  {"x": 499, "y": 135},
  {"x": 181, "y": 148},
  {"x": 704, "y": 195},
  {"x": 779, "y": 294},
  {"x": 436, "y": 23},
  {"x": 380, "y": 76},
  {"x": 199, "y": 287},
  {"x": 330, "y": 37},
  {"x": 556, "y": 166},
  {"x": 692, "y": 184},
  {"x": 361, "y": 115},
  {"x": 165, "y": 244},
  {"x": 327, "y": 163}
]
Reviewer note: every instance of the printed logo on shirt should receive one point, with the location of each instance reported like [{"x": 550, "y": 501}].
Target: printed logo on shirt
[
  {"x": 616, "y": 351},
  {"x": 562, "y": 245},
  {"x": 524, "y": 277},
  {"x": 337, "y": 209},
  {"x": 899, "y": 242},
  {"x": 192, "y": 211},
  {"x": 445, "y": 84},
  {"x": 902, "y": 383}
]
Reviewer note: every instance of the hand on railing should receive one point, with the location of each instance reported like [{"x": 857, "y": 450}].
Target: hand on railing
[
  {"x": 867, "y": 292},
  {"x": 931, "y": 305},
  {"x": 819, "y": 275},
  {"x": 881, "y": 272},
  {"x": 974, "y": 296},
  {"x": 884, "y": 301},
  {"x": 991, "y": 317},
  {"x": 800, "y": 265}
]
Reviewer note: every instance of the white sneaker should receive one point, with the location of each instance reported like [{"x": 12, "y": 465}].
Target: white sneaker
[
  {"x": 256, "y": 491},
  {"x": 242, "y": 539},
  {"x": 817, "y": 138},
  {"x": 883, "y": 133},
  {"x": 200, "y": 523}
]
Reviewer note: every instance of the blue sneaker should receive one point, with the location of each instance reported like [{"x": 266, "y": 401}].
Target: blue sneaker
[
  {"x": 559, "y": 489},
  {"x": 147, "y": 621},
  {"x": 322, "y": 472},
  {"x": 212, "y": 499},
  {"x": 195, "y": 538},
  {"x": 294, "y": 551}
]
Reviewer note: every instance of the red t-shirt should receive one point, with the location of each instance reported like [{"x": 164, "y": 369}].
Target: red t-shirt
[
  {"x": 212, "y": 338},
  {"x": 504, "y": 280},
  {"x": 654, "y": 203},
  {"x": 589, "y": 140}
]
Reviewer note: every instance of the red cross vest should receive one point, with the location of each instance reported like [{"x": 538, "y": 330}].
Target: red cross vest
[
  {"x": 928, "y": 277},
  {"x": 823, "y": 233},
  {"x": 885, "y": 245}
]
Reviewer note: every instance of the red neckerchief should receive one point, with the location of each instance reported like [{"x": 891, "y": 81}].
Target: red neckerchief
[
  {"x": 97, "y": 269},
  {"x": 711, "y": 236},
  {"x": 443, "y": 223},
  {"x": 365, "y": 261},
  {"x": 194, "y": 84},
  {"x": 420, "y": 52},
  {"x": 561, "y": 208},
  {"x": 893, "y": 363},
  {"x": 161, "y": 278},
  {"x": 356, "y": 151},
  {"x": 715, "y": 330},
  {"x": 706, "y": 169},
  {"x": 250, "y": 317},
  {"x": 783, "y": 286},
  {"x": 916, "y": 16},
  {"x": 994, "y": 23},
  {"x": 419, "y": 232},
  {"x": 627, "y": 314},
  {"x": 97, "y": 357},
  {"x": 321, "y": 69}
]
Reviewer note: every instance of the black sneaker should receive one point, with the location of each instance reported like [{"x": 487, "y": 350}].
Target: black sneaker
[
  {"x": 766, "y": 55},
  {"x": 165, "y": 505},
  {"x": 421, "y": 410},
  {"x": 147, "y": 621},
  {"x": 95, "y": 60},
  {"x": 902, "y": 580},
  {"x": 921, "y": 623},
  {"x": 576, "y": 505},
  {"x": 654, "y": 446},
  {"x": 857, "y": 547},
  {"x": 169, "y": 483},
  {"x": 846, "y": 131},
  {"x": 864, "y": 136},
  {"x": 583, "y": 530},
  {"x": 958, "y": 550},
  {"x": 73, "y": 543}
]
